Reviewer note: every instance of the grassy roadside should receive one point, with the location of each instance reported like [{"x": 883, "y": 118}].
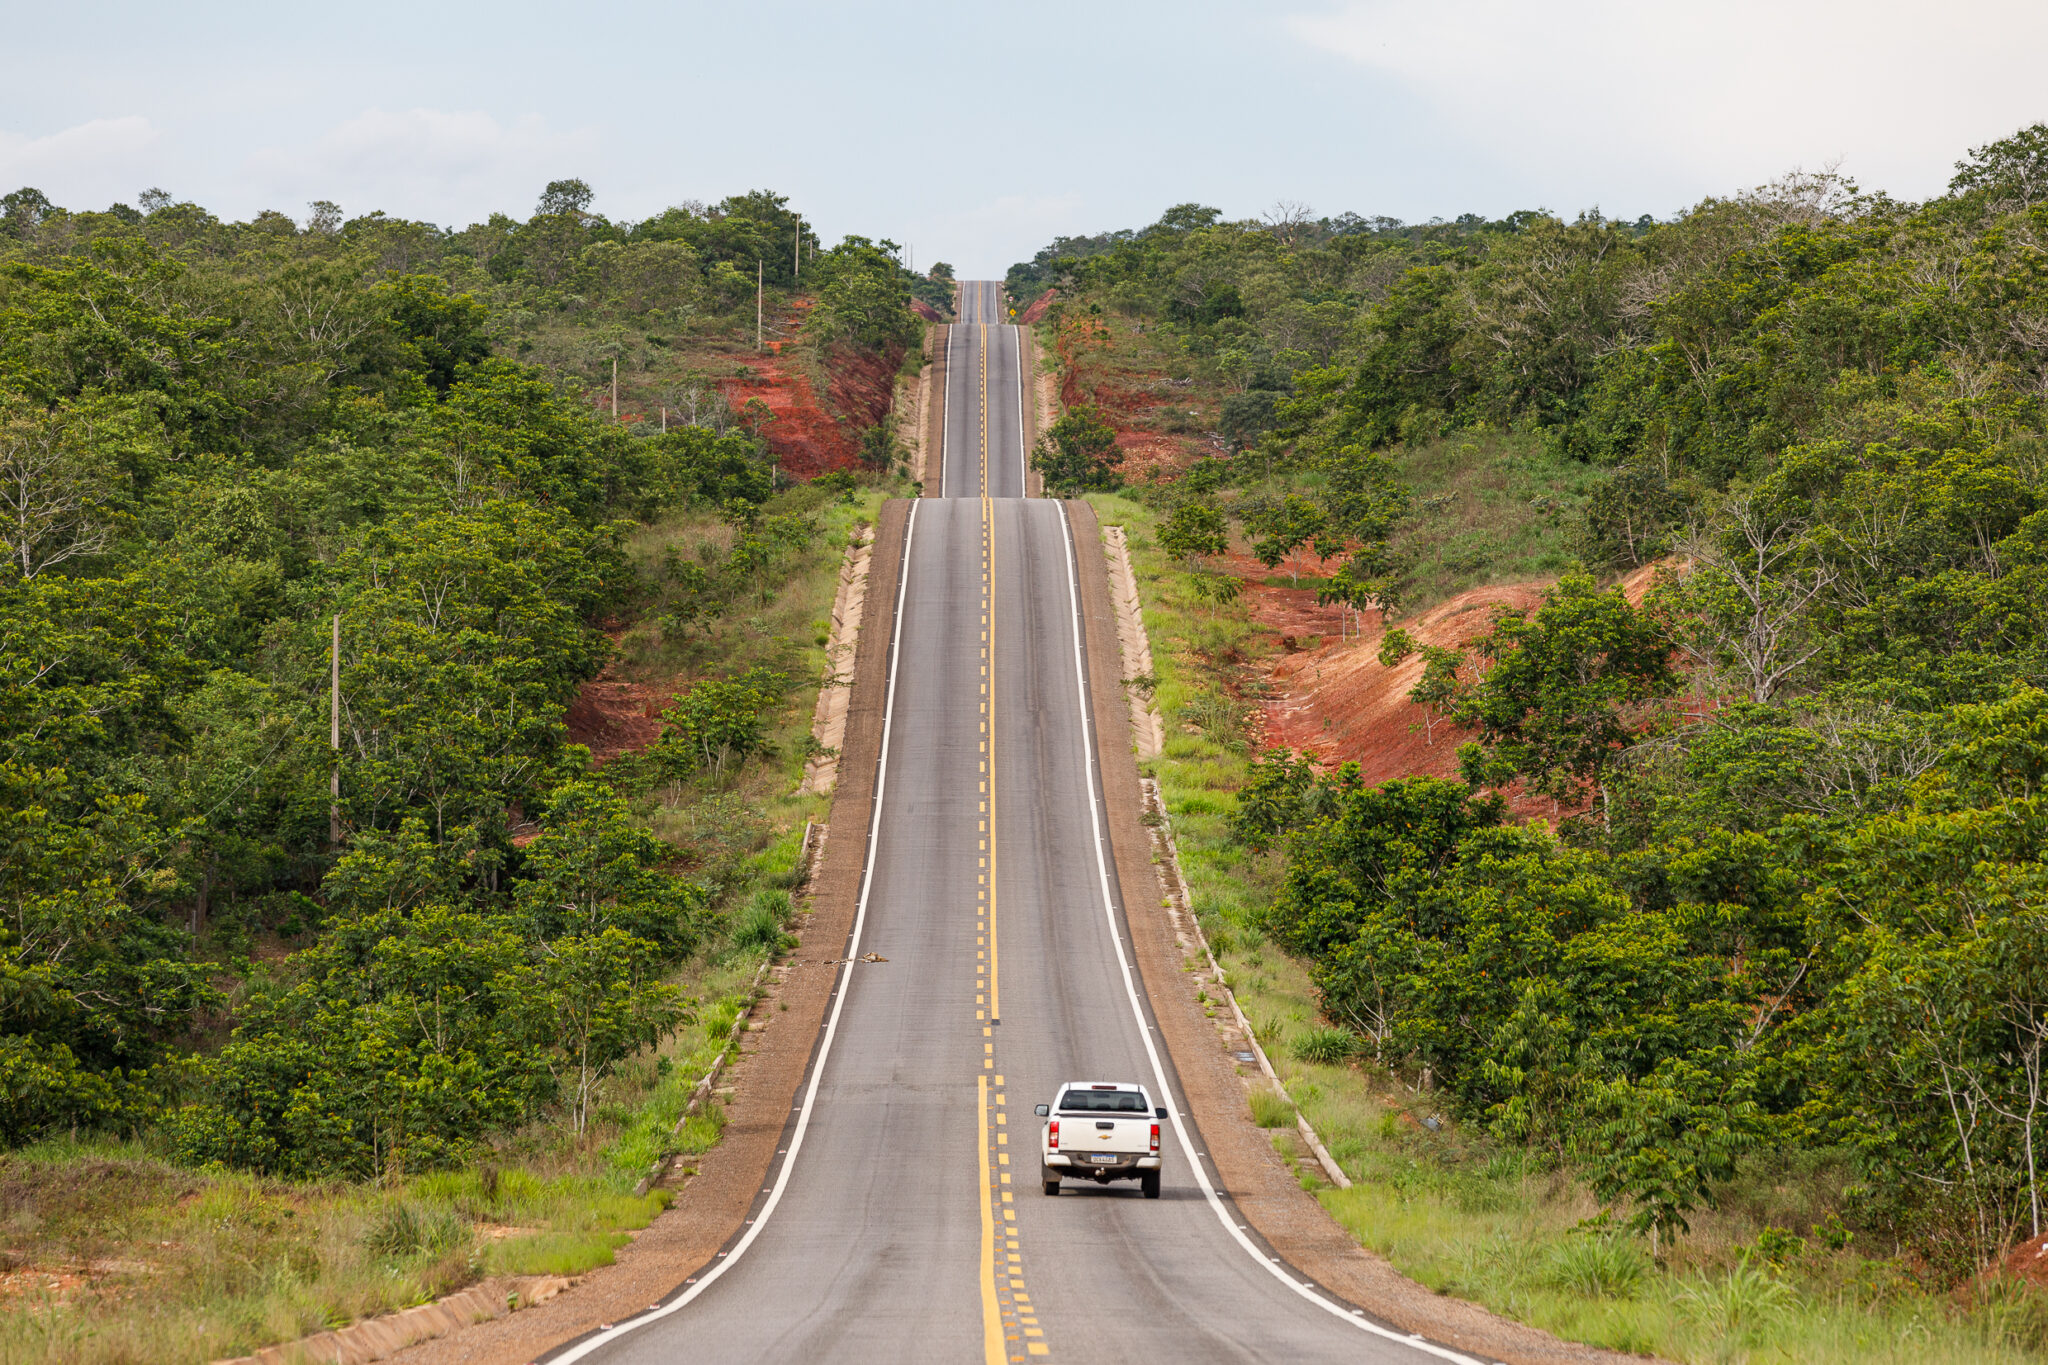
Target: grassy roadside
[
  {"x": 1457, "y": 1211},
  {"x": 1489, "y": 507},
  {"x": 109, "y": 1253}
]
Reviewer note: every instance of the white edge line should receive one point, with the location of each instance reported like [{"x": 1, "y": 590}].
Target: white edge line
[
  {"x": 946, "y": 411},
  {"x": 1090, "y": 764},
  {"x": 803, "y": 1122},
  {"x": 1023, "y": 452}
]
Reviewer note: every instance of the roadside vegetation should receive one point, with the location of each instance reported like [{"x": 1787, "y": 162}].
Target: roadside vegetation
[
  {"x": 1771, "y": 1270},
  {"x": 295, "y": 1034},
  {"x": 1760, "y": 1011}
]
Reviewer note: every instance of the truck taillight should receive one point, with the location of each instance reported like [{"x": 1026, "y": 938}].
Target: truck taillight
[
  {"x": 1155, "y": 1139},
  {"x": 1052, "y": 1135}
]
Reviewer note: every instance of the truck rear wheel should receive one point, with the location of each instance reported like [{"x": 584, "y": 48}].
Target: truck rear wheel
[
  {"x": 1052, "y": 1184},
  {"x": 1149, "y": 1183}
]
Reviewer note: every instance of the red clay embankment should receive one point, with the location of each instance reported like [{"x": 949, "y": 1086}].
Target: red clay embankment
[
  {"x": 811, "y": 436},
  {"x": 1335, "y": 698}
]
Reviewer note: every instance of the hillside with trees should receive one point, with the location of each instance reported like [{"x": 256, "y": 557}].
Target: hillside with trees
[
  {"x": 1787, "y": 923},
  {"x": 249, "y": 468}
]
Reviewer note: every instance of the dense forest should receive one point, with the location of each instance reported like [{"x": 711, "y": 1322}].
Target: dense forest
[
  {"x": 249, "y": 468},
  {"x": 1791, "y": 902}
]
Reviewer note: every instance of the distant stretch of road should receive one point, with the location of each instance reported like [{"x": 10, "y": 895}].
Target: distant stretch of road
[
  {"x": 984, "y": 446},
  {"x": 906, "y": 1220}
]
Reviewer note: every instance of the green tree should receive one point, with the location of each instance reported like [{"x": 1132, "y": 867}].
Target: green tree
[
  {"x": 717, "y": 723},
  {"x": 592, "y": 870},
  {"x": 1378, "y": 845},
  {"x": 1555, "y": 703},
  {"x": 594, "y": 996},
  {"x": 1079, "y": 454},
  {"x": 1275, "y": 798},
  {"x": 442, "y": 331},
  {"x": 1283, "y": 527},
  {"x": 564, "y": 196},
  {"x": 1193, "y": 530},
  {"x": 1664, "y": 1142}
]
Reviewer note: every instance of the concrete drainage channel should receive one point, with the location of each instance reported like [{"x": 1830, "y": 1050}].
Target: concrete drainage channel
[{"x": 376, "y": 1338}]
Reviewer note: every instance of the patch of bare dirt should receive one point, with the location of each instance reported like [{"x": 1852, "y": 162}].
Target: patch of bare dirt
[
  {"x": 611, "y": 716},
  {"x": 1330, "y": 695},
  {"x": 1126, "y": 398},
  {"x": 1040, "y": 306},
  {"x": 58, "y": 1285},
  {"x": 2029, "y": 1261},
  {"x": 809, "y": 436}
]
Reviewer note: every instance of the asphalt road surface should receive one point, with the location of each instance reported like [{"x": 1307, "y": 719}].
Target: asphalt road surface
[
  {"x": 984, "y": 443},
  {"x": 906, "y": 1219}
]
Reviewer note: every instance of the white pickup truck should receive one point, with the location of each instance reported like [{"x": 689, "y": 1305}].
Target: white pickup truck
[{"x": 1101, "y": 1131}]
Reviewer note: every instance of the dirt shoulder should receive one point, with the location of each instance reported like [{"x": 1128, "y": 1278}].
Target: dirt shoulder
[
  {"x": 931, "y": 416},
  {"x": 713, "y": 1203},
  {"x": 1246, "y": 1164}
]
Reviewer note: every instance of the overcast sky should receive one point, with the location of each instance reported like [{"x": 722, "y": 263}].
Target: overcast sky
[{"x": 977, "y": 132}]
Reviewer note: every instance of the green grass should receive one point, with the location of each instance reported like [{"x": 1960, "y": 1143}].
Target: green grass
[
  {"x": 1454, "y": 1210},
  {"x": 1270, "y": 1108},
  {"x": 1490, "y": 507},
  {"x": 194, "y": 1265}
]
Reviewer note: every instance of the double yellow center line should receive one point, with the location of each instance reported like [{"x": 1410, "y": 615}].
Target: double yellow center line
[{"x": 1010, "y": 1327}]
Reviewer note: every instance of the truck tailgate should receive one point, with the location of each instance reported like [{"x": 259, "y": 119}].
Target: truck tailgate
[{"x": 1083, "y": 1135}]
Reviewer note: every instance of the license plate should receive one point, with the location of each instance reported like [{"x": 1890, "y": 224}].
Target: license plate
[{"x": 1105, "y": 1156}]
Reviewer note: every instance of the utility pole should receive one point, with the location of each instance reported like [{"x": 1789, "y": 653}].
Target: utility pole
[
  {"x": 334, "y": 737},
  {"x": 615, "y": 388},
  {"x": 664, "y": 420},
  {"x": 796, "y": 269},
  {"x": 757, "y": 305}
]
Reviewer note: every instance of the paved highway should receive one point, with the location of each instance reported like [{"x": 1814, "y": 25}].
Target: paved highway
[
  {"x": 906, "y": 1220},
  {"x": 984, "y": 447}
]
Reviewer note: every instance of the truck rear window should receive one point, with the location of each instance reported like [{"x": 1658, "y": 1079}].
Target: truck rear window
[{"x": 1102, "y": 1102}]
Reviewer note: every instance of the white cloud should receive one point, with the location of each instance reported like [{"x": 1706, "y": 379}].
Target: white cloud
[
  {"x": 86, "y": 167},
  {"x": 1713, "y": 97},
  {"x": 428, "y": 163}
]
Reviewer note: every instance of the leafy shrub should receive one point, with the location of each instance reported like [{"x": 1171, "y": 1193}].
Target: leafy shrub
[
  {"x": 720, "y": 722},
  {"x": 1079, "y": 454},
  {"x": 1326, "y": 1046},
  {"x": 760, "y": 925}
]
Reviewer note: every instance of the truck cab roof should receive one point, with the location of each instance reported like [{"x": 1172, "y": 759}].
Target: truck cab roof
[{"x": 1103, "y": 1097}]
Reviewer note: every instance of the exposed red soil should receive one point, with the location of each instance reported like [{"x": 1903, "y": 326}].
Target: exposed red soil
[
  {"x": 2029, "y": 1261},
  {"x": 1331, "y": 696},
  {"x": 926, "y": 311},
  {"x": 862, "y": 384},
  {"x": 1039, "y": 307},
  {"x": 1148, "y": 454},
  {"x": 1149, "y": 457},
  {"x": 1328, "y": 693},
  {"x": 810, "y": 437},
  {"x": 611, "y": 717}
]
